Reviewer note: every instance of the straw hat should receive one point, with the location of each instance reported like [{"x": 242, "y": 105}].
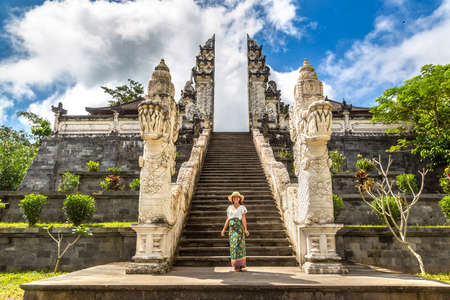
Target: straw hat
[{"x": 230, "y": 197}]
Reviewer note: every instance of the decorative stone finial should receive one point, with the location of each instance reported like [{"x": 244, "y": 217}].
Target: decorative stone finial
[
  {"x": 161, "y": 82},
  {"x": 307, "y": 71}
]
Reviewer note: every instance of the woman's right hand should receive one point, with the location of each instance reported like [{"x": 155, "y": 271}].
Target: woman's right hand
[{"x": 222, "y": 233}]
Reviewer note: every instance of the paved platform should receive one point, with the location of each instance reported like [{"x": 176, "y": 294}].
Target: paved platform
[{"x": 108, "y": 282}]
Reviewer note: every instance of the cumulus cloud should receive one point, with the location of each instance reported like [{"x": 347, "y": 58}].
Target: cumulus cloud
[
  {"x": 4, "y": 105},
  {"x": 74, "y": 47},
  {"x": 390, "y": 54}
]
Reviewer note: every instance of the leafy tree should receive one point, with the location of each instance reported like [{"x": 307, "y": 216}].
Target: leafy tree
[
  {"x": 423, "y": 105},
  {"x": 40, "y": 128},
  {"x": 16, "y": 156},
  {"x": 125, "y": 93}
]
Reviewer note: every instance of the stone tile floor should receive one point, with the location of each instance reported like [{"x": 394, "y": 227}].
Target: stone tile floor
[{"x": 114, "y": 275}]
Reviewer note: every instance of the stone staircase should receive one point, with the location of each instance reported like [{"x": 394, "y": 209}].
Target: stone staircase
[{"x": 232, "y": 164}]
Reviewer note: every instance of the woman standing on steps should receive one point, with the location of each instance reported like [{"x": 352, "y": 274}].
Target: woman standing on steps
[{"x": 238, "y": 226}]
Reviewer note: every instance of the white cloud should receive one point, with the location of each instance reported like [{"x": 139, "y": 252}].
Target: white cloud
[
  {"x": 4, "y": 104},
  {"x": 389, "y": 55},
  {"x": 281, "y": 13},
  {"x": 85, "y": 44}
]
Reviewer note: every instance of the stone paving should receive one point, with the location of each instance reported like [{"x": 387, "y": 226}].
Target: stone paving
[{"x": 110, "y": 282}]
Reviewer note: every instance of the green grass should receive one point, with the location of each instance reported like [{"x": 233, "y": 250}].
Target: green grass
[
  {"x": 440, "y": 276},
  {"x": 10, "y": 282},
  {"x": 104, "y": 225}
]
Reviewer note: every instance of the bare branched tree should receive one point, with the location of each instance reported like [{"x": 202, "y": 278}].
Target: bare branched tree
[
  {"x": 79, "y": 231},
  {"x": 395, "y": 216}
]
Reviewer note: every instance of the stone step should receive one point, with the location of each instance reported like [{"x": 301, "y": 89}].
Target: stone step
[
  {"x": 250, "y": 241},
  {"x": 224, "y": 196},
  {"x": 219, "y": 251},
  {"x": 237, "y": 176},
  {"x": 228, "y": 177},
  {"x": 223, "y": 207},
  {"x": 206, "y": 180},
  {"x": 212, "y": 261},
  {"x": 218, "y": 185},
  {"x": 256, "y": 213},
  {"x": 256, "y": 233},
  {"x": 232, "y": 160},
  {"x": 226, "y": 201},
  {"x": 231, "y": 156},
  {"x": 233, "y": 170},
  {"x": 221, "y": 219},
  {"x": 215, "y": 173},
  {"x": 221, "y": 198},
  {"x": 226, "y": 192},
  {"x": 219, "y": 226},
  {"x": 223, "y": 202}
]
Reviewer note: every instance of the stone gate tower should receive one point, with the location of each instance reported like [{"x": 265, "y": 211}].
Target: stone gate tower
[
  {"x": 203, "y": 74},
  {"x": 265, "y": 108}
]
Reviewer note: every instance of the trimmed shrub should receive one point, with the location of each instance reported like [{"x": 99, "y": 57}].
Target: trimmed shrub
[
  {"x": 402, "y": 183},
  {"x": 337, "y": 161},
  {"x": 69, "y": 182},
  {"x": 338, "y": 205},
  {"x": 114, "y": 170},
  {"x": 78, "y": 208},
  {"x": 135, "y": 184},
  {"x": 365, "y": 164},
  {"x": 389, "y": 204},
  {"x": 31, "y": 206},
  {"x": 445, "y": 206},
  {"x": 93, "y": 166}
]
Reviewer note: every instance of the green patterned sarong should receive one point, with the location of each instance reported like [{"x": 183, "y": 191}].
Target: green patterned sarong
[{"x": 237, "y": 243}]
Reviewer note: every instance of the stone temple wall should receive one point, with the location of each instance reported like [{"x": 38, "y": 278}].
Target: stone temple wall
[
  {"x": 123, "y": 206},
  {"x": 355, "y": 211},
  {"x": 370, "y": 146},
  {"x": 62, "y": 153},
  {"x": 373, "y": 246},
  {"x": 70, "y": 153}
]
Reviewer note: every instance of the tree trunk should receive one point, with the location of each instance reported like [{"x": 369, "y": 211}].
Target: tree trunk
[
  {"x": 418, "y": 257},
  {"x": 57, "y": 264}
]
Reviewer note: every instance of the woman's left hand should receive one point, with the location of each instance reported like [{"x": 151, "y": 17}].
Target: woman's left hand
[{"x": 247, "y": 233}]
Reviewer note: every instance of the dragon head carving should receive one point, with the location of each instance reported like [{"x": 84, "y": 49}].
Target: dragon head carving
[{"x": 158, "y": 114}]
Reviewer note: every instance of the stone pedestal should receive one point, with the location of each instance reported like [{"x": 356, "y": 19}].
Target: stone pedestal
[
  {"x": 151, "y": 245},
  {"x": 317, "y": 249}
]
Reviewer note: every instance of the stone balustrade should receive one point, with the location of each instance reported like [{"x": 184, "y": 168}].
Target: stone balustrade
[{"x": 284, "y": 192}]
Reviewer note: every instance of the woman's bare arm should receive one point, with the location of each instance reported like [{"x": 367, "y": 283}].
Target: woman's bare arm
[
  {"x": 244, "y": 222},
  {"x": 225, "y": 226}
]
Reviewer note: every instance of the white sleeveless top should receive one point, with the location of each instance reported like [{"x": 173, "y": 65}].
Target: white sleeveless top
[{"x": 236, "y": 212}]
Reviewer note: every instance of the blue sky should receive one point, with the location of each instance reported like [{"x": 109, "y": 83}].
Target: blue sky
[{"x": 63, "y": 51}]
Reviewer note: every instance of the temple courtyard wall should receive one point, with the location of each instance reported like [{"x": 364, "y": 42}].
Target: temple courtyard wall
[
  {"x": 62, "y": 153},
  {"x": 123, "y": 206},
  {"x": 368, "y": 145},
  {"x": 366, "y": 245}
]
